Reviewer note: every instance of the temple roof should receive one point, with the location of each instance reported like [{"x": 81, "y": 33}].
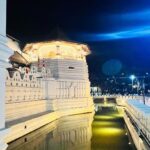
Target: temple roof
[
  {"x": 56, "y": 49},
  {"x": 18, "y": 56},
  {"x": 48, "y": 49},
  {"x": 36, "y": 46}
]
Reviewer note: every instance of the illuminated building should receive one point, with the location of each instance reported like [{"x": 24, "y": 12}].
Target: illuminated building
[{"x": 54, "y": 83}]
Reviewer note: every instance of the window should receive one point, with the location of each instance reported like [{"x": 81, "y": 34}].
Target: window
[{"x": 71, "y": 67}]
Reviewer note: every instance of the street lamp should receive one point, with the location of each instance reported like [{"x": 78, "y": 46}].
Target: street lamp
[
  {"x": 143, "y": 89},
  {"x": 132, "y": 77}
]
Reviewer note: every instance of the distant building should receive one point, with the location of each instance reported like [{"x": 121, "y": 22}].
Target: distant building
[{"x": 96, "y": 91}]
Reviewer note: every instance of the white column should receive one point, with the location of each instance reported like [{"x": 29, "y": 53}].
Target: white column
[
  {"x": 3, "y": 17},
  {"x": 5, "y": 53}
]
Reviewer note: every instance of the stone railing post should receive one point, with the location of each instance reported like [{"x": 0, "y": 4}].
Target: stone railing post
[{"x": 5, "y": 53}]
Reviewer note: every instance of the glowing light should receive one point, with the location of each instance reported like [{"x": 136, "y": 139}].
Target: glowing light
[
  {"x": 108, "y": 131},
  {"x": 132, "y": 77},
  {"x": 104, "y": 117},
  {"x": 120, "y": 115},
  {"x": 57, "y": 49},
  {"x": 103, "y": 123}
]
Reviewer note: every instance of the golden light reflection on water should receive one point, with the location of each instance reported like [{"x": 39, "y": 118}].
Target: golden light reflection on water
[
  {"x": 109, "y": 132},
  {"x": 104, "y": 117},
  {"x": 102, "y": 123}
]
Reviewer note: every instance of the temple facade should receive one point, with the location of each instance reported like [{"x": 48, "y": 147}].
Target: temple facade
[
  {"x": 54, "y": 83},
  {"x": 40, "y": 83},
  {"x": 55, "y": 80}
]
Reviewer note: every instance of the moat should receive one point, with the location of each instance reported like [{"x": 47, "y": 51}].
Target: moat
[{"x": 104, "y": 130}]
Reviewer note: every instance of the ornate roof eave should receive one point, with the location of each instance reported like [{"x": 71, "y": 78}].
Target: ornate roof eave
[
  {"x": 18, "y": 58},
  {"x": 34, "y": 46}
]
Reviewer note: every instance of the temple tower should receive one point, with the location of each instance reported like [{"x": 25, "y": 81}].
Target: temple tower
[{"x": 66, "y": 62}]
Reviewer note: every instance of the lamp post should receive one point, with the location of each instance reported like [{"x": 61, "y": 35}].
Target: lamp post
[
  {"x": 143, "y": 89},
  {"x": 132, "y": 77}
]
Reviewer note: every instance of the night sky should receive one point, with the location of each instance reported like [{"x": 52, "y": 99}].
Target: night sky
[{"x": 116, "y": 30}]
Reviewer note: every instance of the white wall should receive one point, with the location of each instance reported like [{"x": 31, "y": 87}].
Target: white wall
[
  {"x": 27, "y": 95},
  {"x": 3, "y": 17},
  {"x": 2, "y": 96},
  {"x": 5, "y": 53}
]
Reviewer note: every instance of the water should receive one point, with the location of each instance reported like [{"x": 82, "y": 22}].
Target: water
[
  {"x": 79, "y": 132},
  {"x": 110, "y": 132}
]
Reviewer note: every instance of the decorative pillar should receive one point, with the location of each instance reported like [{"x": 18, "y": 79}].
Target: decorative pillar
[{"x": 5, "y": 53}]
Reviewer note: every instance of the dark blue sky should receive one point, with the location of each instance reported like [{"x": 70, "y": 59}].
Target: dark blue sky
[{"x": 113, "y": 29}]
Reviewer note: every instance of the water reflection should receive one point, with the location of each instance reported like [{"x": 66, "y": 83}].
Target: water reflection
[
  {"x": 107, "y": 132},
  {"x": 68, "y": 133}
]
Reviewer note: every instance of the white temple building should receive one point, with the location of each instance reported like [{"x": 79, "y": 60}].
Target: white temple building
[
  {"x": 39, "y": 84},
  {"x": 55, "y": 83},
  {"x": 56, "y": 79}
]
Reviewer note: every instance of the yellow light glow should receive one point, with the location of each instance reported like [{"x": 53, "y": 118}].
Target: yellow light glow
[
  {"x": 103, "y": 117},
  {"x": 120, "y": 115},
  {"x": 68, "y": 50},
  {"x": 108, "y": 131},
  {"x": 103, "y": 123}
]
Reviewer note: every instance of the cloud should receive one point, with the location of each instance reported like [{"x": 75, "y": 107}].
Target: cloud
[
  {"x": 140, "y": 15},
  {"x": 143, "y": 31}
]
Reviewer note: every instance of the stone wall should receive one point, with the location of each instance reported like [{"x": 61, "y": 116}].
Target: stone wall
[
  {"x": 23, "y": 87},
  {"x": 66, "y": 68},
  {"x": 30, "y": 91}
]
